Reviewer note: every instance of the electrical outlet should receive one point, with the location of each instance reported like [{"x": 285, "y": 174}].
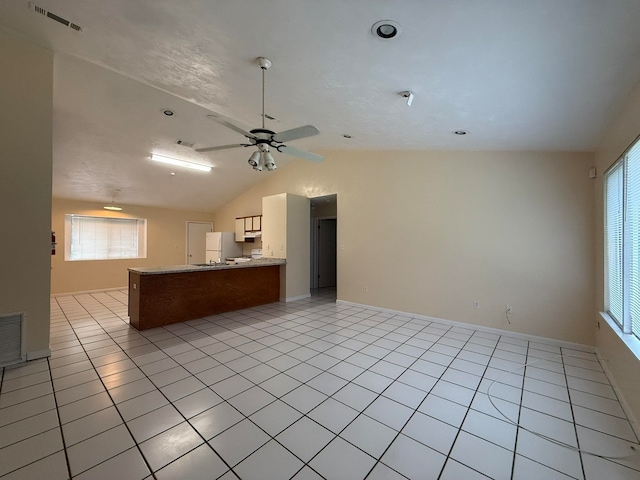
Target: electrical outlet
[
  {"x": 508, "y": 308},
  {"x": 366, "y": 289},
  {"x": 476, "y": 305}
]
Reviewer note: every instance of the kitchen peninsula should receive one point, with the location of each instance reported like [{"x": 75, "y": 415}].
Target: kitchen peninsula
[{"x": 163, "y": 295}]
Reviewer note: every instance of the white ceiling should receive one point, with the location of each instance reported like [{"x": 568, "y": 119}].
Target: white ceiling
[{"x": 517, "y": 75}]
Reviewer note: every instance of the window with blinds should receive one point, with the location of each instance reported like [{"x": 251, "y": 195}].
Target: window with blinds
[
  {"x": 104, "y": 238},
  {"x": 622, "y": 241}
]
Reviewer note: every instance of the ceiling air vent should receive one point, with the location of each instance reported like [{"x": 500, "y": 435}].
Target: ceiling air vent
[{"x": 55, "y": 17}]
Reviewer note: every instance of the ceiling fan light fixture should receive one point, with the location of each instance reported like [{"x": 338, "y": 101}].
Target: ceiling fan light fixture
[
  {"x": 254, "y": 159},
  {"x": 269, "y": 162},
  {"x": 180, "y": 163}
]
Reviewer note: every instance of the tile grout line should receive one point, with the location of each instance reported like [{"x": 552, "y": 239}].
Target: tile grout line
[
  {"x": 62, "y": 436},
  {"x": 114, "y": 405}
]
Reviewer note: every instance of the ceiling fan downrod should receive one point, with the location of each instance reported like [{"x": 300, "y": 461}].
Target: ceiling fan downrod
[{"x": 264, "y": 63}]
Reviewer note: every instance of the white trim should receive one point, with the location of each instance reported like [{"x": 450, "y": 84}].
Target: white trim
[
  {"x": 498, "y": 331},
  {"x": 38, "y": 354},
  {"x": 629, "y": 339},
  {"x": 633, "y": 344},
  {"x": 623, "y": 403},
  {"x": 293, "y": 299},
  {"x": 83, "y": 292}
]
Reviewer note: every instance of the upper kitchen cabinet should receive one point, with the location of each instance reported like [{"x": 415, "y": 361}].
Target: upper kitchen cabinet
[
  {"x": 247, "y": 228},
  {"x": 286, "y": 234}
]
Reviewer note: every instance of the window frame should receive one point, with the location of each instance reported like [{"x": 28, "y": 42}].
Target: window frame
[
  {"x": 140, "y": 224},
  {"x": 623, "y": 326}
]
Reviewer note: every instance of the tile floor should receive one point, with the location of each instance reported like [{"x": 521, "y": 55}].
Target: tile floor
[{"x": 306, "y": 390}]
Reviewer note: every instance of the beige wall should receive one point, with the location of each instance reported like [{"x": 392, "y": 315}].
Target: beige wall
[
  {"x": 429, "y": 232},
  {"x": 26, "y": 96},
  {"x": 623, "y": 365},
  {"x": 166, "y": 245},
  {"x": 286, "y": 234}
]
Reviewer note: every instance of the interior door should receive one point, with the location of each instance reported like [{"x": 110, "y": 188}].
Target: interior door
[
  {"x": 327, "y": 252},
  {"x": 197, "y": 241}
]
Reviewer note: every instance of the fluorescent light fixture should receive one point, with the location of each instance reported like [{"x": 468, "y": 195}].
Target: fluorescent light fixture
[{"x": 180, "y": 163}]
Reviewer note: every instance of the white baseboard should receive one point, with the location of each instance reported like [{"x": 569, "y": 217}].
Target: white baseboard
[
  {"x": 84, "y": 292},
  {"x": 497, "y": 331},
  {"x": 293, "y": 299},
  {"x": 625, "y": 406},
  {"x": 38, "y": 354}
]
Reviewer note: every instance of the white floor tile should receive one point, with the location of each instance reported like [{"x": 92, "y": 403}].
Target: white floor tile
[
  {"x": 369, "y": 435},
  {"x": 238, "y": 442},
  {"x": 128, "y": 465},
  {"x": 53, "y": 467},
  {"x": 271, "y": 462},
  {"x": 413, "y": 459},
  {"x": 28, "y": 427},
  {"x": 201, "y": 463},
  {"x": 483, "y": 456},
  {"x": 456, "y": 471},
  {"x": 97, "y": 449},
  {"x": 93, "y": 424},
  {"x": 389, "y": 412},
  {"x": 304, "y": 398},
  {"x": 155, "y": 422},
  {"x": 215, "y": 420},
  {"x": 355, "y": 396},
  {"x": 329, "y": 346},
  {"x": 444, "y": 410},
  {"x": 305, "y": 438},
  {"x": 549, "y": 454},
  {"x": 342, "y": 461},
  {"x": 491, "y": 429},
  {"x": 618, "y": 427},
  {"x": 431, "y": 432},
  {"x": 333, "y": 415},
  {"x": 170, "y": 445},
  {"x": 30, "y": 450}
]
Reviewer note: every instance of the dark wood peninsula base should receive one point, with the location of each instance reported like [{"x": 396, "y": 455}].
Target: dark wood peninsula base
[{"x": 176, "y": 296}]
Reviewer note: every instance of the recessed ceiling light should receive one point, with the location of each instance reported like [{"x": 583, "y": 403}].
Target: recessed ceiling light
[
  {"x": 346, "y": 135},
  {"x": 460, "y": 132},
  {"x": 168, "y": 112},
  {"x": 386, "y": 29}
]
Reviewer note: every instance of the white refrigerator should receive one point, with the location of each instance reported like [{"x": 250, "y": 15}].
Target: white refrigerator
[{"x": 222, "y": 245}]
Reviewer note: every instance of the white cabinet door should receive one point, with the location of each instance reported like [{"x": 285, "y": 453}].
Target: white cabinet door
[
  {"x": 240, "y": 230},
  {"x": 257, "y": 223}
]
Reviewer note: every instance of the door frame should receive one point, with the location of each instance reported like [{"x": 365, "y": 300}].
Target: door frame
[
  {"x": 186, "y": 246},
  {"x": 315, "y": 259}
]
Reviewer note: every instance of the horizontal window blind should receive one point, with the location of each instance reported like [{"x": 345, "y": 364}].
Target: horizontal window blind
[
  {"x": 633, "y": 235},
  {"x": 102, "y": 238},
  {"x": 622, "y": 241},
  {"x": 614, "y": 189}
]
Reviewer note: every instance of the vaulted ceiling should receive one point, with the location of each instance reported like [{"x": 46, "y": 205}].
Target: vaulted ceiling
[{"x": 542, "y": 75}]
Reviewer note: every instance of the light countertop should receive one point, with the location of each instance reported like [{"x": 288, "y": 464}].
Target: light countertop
[{"x": 261, "y": 262}]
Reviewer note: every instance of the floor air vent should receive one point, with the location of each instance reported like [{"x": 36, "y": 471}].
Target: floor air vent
[
  {"x": 55, "y": 17},
  {"x": 11, "y": 339}
]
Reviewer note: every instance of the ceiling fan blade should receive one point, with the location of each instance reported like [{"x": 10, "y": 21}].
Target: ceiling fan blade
[
  {"x": 221, "y": 147},
  {"x": 230, "y": 125},
  {"x": 295, "y": 133},
  {"x": 296, "y": 152}
]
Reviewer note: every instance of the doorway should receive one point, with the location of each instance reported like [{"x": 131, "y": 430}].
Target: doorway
[
  {"x": 197, "y": 241},
  {"x": 324, "y": 227}
]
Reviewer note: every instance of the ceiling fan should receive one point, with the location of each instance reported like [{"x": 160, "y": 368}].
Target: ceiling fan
[{"x": 265, "y": 139}]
